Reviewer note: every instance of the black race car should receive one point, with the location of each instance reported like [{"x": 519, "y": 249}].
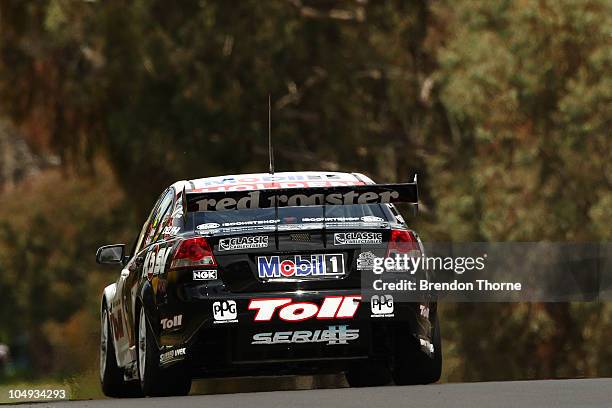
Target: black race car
[{"x": 261, "y": 274}]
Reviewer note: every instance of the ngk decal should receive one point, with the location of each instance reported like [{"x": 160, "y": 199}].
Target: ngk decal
[
  {"x": 248, "y": 242},
  {"x": 333, "y": 307},
  {"x": 206, "y": 274},
  {"x": 154, "y": 262},
  {"x": 300, "y": 267},
  {"x": 172, "y": 323},
  {"x": 357, "y": 238}
]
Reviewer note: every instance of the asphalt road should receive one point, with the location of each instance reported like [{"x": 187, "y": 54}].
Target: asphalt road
[{"x": 549, "y": 393}]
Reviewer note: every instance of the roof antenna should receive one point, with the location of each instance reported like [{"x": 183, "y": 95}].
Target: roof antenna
[
  {"x": 271, "y": 154},
  {"x": 270, "y": 151}
]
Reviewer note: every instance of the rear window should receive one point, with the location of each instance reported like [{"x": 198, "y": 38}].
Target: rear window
[{"x": 358, "y": 213}]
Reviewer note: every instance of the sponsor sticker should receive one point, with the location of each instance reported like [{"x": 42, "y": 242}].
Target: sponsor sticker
[
  {"x": 295, "y": 196},
  {"x": 169, "y": 230},
  {"x": 278, "y": 180},
  {"x": 155, "y": 261},
  {"x": 330, "y": 219},
  {"x": 251, "y": 222},
  {"x": 255, "y": 185},
  {"x": 168, "y": 356},
  {"x": 225, "y": 311},
  {"x": 294, "y": 227},
  {"x": 116, "y": 320},
  {"x": 365, "y": 261},
  {"x": 297, "y": 267},
  {"x": 248, "y": 242},
  {"x": 172, "y": 323},
  {"x": 206, "y": 274},
  {"x": 357, "y": 238},
  {"x": 371, "y": 218},
  {"x": 244, "y": 229},
  {"x": 333, "y": 335},
  {"x": 426, "y": 344},
  {"x": 382, "y": 306},
  {"x": 333, "y": 307},
  {"x": 207, "y": 226}
]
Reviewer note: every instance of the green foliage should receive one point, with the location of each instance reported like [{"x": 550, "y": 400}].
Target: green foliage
[
  {"x": 167, "y": 91},
  {"x": 528, "y": 86},
  {"x": 49, "y": 232}
]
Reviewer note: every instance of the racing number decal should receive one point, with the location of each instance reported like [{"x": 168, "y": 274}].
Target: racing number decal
[{"x": 334, "y": 264}]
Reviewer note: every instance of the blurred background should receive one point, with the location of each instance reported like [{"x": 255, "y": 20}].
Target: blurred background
[{"x": 503, "y": 108}]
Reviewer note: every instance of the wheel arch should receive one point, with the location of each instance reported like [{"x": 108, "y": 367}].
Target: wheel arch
[
  {"x": 107, "y": 295},
  {"x": 106, "y": 302},
  {"x": 146, "y": 300}
]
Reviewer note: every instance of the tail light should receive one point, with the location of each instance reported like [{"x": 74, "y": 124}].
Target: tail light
[
  {"x": 403, "y": 242},
  {"x": 193, "y": 252}
]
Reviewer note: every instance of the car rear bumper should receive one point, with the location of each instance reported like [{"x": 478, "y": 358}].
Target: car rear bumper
[{"x": 216, "y": 348}]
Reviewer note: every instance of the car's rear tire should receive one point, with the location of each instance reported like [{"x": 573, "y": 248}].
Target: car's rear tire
[
  {"x": 155, "y": 381},
  {"x": 370, "y": 373},
  {"x": 413, "y": 366},
  {"x": 111, "y": 376}
]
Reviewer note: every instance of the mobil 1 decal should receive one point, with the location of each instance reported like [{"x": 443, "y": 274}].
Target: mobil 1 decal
[{"x": 298, "y": 267}]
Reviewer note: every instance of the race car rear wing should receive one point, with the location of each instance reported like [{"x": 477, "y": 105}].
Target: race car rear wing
[{"x": 302, "y": 196}]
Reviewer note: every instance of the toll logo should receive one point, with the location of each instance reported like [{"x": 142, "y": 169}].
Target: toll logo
[
  {"x": 172, "y": 323},
  {"x": 333, "y": 307},
  {"x": 298, "y": 267}
]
